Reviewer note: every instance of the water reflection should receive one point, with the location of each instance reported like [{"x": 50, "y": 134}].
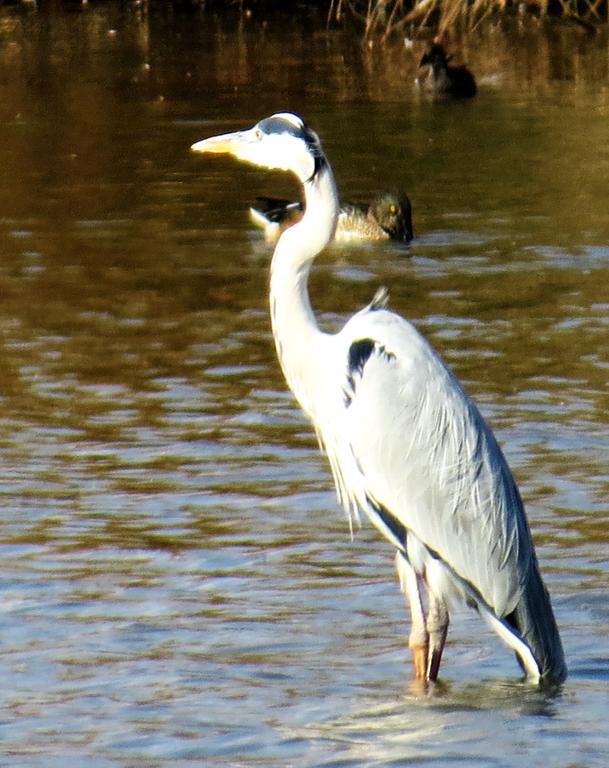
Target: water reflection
[
  {"x": 172, "y": 550},
  {"x": 403, "y": 730}
]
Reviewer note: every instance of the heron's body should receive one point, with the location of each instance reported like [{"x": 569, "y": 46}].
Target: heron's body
[
  {"x": 387, "y": 217},
  {"x": 406, "y": 445},
  {"x": 445, "y": 79}
]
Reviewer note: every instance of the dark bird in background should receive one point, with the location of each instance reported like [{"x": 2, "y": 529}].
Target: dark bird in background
[
  {"x": 388, "y": 216},
  {"x": 445, "y": 79}
]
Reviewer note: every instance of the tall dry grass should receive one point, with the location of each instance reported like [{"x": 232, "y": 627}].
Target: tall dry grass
[{"x": 384, "y": 18}]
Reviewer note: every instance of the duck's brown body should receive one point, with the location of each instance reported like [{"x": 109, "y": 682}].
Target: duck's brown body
[{"x": 387, "y": 217}]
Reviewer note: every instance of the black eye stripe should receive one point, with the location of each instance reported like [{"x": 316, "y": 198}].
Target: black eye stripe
[{"x": 280, "y": 125}]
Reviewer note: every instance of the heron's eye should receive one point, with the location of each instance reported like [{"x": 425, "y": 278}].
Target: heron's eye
[
  {"x": 258, "y": 134},
  {"x": 392, "y": 208}
]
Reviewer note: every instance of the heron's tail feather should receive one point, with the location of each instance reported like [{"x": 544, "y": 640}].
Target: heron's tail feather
[
  {"x": 531, "y": 631},
  {"x": 534, "y": 621},
  {"x": 509, "y": 636}
]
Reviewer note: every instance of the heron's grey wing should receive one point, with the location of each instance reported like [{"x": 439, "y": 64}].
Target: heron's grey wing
[{"x": 425, "y": 456}]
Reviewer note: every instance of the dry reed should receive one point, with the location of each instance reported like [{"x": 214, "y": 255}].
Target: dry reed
[{"x": 384, "y": 18}]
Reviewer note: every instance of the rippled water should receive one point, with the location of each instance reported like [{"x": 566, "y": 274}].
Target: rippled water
[{"x": 178, "y": 585}]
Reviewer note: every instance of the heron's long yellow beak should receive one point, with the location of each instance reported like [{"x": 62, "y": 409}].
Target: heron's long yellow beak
[{"x": 226, "y": 144}]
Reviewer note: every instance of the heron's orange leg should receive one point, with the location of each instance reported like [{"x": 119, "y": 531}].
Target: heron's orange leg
[
  {"x": 412, "y": 584},
  {"x": 437, "y": 627}
]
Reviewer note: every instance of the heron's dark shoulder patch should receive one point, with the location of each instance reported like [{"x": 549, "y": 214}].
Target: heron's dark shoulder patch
[{"x": 360, "y": 352}]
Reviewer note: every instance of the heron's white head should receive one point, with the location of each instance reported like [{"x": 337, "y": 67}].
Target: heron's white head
[{"x": 281, "y": 141}]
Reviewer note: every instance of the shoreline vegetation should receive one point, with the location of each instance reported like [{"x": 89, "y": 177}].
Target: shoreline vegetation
[
  {"x": 381, "y": 20},
  {"x": 377, "y": 21},
  {"x": 517, "y": 49}
]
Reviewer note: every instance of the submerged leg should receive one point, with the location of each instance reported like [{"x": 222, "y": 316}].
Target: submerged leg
[
  {"x": 412, "y": 584},
  {"x": 437, "y": 627}
]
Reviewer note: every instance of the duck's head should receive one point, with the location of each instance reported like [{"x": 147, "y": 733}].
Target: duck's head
[
  {"x": 435, "y": 55},
  {"x": 393, "y": 212}
]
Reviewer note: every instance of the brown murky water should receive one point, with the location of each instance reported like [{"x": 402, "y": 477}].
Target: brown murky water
[{"x": 177, "y": 584}]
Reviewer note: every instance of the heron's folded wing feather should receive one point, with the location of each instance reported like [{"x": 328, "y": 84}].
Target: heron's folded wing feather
[{"x": 425, "y": 454}]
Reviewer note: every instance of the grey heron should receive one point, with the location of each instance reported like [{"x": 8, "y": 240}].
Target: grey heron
[
  {"x": 444, "y": 78},
  {"x": 406, "y": 445},
  {"x": 388, "y": 216}
]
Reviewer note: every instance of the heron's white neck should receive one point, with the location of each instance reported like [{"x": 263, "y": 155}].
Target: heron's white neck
[{"x": 297, "y": 336}]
